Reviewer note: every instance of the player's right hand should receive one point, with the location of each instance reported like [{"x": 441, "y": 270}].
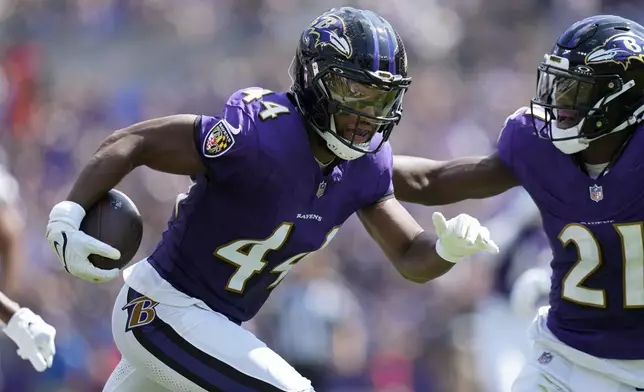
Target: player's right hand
[
  {"x": 34, "y": 338},
  {"x": 531, "y": 286},
  {"x": 461, "y": 236},
  {"x": 72, "y": 246}
]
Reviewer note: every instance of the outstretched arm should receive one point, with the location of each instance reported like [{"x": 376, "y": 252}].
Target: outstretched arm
[
  {"x": 428, "y": 182},
  {"x": 417, "y": 255}
]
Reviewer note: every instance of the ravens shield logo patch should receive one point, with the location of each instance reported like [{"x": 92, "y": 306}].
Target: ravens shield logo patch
[{"x": 218, "y": 141}]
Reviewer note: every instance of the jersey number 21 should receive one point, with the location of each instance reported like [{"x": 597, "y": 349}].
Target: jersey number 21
[{"x": 590, "y": 260}]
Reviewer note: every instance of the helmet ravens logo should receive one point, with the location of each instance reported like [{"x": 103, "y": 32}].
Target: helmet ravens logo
[
  {"x": 328, "y": 30},
  {"x": 620, "y": 49}
]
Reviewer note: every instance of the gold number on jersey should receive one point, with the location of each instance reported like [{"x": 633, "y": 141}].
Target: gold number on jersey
[
  {"x": 284, "y": 268},
  {"x": 271, "y": 109},
  {"x": 254, "y": 93},
  {"x": 248, "y": 257},
  {"x": 590, "y": 260}
]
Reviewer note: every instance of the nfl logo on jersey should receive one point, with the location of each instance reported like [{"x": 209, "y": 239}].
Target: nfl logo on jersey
[
  {"x": 321, "y": 189},
  {"x": 596, "y": 193}
]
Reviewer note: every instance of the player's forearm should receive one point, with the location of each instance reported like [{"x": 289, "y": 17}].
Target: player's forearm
[
  {"x": 423, "y": 181},
  {"x": 115, "y": 158},
  {"x": 10, "y": 257},
  {"x": 11, "y": 231},
  {"x": 429, "y": 182},
  {"x": 420, "y": 263}
]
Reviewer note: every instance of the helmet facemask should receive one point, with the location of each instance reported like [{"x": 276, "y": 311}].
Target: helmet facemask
[
  {"x": 576, "y": 106},
  {"x": 349, "y": 106}
]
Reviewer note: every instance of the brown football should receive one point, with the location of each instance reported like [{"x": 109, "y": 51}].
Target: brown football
[{"x": 116, "y": 221}]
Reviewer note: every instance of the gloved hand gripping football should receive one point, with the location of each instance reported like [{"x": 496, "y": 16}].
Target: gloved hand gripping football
[{"x": 72, "y": 246}]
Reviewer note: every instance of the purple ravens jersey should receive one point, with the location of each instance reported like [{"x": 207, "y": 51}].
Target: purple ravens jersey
[
  {"x": 595, "y": 230},
  {"x": 263, "y": 204}
]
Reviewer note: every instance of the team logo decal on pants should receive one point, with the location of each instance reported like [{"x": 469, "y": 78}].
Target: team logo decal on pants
[{"x": 140, "y": 312}]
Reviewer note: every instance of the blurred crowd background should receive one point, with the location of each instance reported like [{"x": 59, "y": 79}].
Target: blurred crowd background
[{"x": 72, "y": 71}]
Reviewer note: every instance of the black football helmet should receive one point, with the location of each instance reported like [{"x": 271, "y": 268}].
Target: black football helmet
[
  {"x": 349, "y": 76},
  {"x": 592, "y": 83}
]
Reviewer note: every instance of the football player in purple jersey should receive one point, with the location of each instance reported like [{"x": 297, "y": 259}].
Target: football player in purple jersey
[
  {"x": 579, "y": 152},
  {"x": 275, "y": 176}
]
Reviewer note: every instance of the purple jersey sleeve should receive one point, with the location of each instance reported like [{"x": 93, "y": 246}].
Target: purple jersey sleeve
[
  {"x": 228, "y": 144},
  {"x": 506, "y": 144}
]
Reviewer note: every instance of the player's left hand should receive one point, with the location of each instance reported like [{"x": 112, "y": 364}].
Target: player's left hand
[
  {"x": 461, "y": 236},
  {"x": 34, "y": 337}
]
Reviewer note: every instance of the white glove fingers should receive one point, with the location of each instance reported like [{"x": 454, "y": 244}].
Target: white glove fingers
[
  {"x": 99, "y": 275},
  {"x": 52, "y": 349},
  {"x": 34, "y": 357},
  {"x": 49, "y": 358},
  {"x": 472, "y": 234},
  {"x": 440, "y": 223},
  {"x": 490, "y": 246},
  {"x": 38, "y": 362},
  {"x": 493, "y": 247},
  {"x": 97, "y": 247},
  {"x": 485, "y": 242},
  {"x": 45, "y": 342}
]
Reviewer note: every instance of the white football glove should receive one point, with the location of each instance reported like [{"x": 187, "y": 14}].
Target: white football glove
[
  {"x": 460, "y": 237},
  {"x": 528, "y": 290},
  {"x": 34, "y": 338},
  {"x": 72, "y": 246}
]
